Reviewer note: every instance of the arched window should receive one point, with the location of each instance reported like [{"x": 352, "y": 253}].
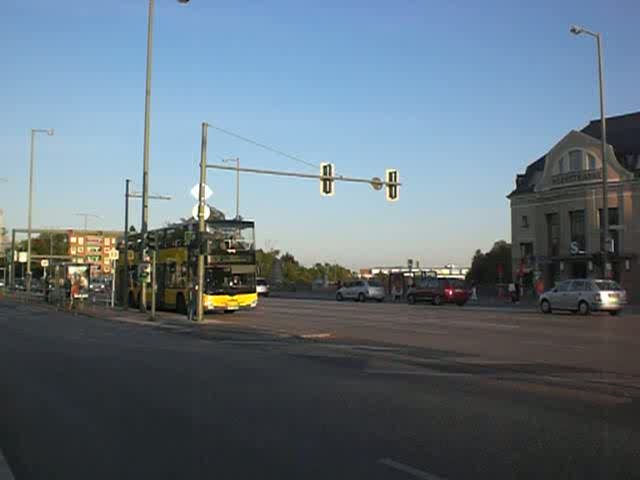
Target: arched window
[{"x": 576, "y": 161}]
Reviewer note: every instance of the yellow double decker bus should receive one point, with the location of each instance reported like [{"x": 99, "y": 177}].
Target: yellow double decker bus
[{"x": 230, "y": 266}]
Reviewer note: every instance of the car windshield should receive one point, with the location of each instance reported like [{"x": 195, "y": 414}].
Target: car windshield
[
  {"x": 607, "y": 285},
  {"x": 374, "y": 283},
  {"x": 261, "y": 281}
]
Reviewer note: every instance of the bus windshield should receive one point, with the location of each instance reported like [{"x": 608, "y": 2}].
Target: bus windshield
[{"x": 224, "y": 281}]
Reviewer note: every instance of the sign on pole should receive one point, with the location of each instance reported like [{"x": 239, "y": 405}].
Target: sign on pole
[
  {"x": 44, "y": 263},
  {"x": 194, "y": 212},
  {"x": 22, "y": 257},
  {"x": 195, "y": 191}
]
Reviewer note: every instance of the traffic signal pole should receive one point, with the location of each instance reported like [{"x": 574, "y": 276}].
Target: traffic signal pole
[
  {"x": 327, "y": 178},
  {"x": 201, "y": 222}
]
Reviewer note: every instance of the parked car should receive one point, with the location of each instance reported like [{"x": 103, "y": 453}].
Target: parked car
[
  {"x": 262, "y": 287},
  {"x": 361, "y": 291},
  {"x": 584, "y": 296},
  {"x": 439, "y": 291}
]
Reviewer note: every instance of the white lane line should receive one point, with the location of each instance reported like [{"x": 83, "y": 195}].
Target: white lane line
[
  {"x": 5, "y": 471},
  {"x": 316, "y": 335},
  {"x": 427, "y": 372},
  {"x": 409, "y": 469}
]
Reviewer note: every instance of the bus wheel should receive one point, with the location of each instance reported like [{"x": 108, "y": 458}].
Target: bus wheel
[{"x": 181, "y": 306}]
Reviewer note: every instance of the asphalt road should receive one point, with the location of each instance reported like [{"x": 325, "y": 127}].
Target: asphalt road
[{"x": 391, "y": 393}]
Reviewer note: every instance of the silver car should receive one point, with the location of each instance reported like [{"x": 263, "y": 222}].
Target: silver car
[
  {"x": 584, "y": 296},
  {"x": 361, "y": 291}
]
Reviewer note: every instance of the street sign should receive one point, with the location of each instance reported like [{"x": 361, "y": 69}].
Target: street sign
[
  {"x": 574, "y": 249},
  {"x": 194, "y": 212},
  {"x": 44, "y": 263},
  {"x": 114, "y": 255},
  {"x": 22, "y": 257},
  {"x": 195, "y": 191}
]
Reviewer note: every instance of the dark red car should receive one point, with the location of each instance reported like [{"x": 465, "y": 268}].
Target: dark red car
[{"x": 439, "y": 291}]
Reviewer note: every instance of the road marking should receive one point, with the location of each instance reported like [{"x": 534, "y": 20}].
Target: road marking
[
  {"x": 316, "y": 335},
  {"x": 427, "y": 372},
  {"x": 5, "y": 471},
  {"x": 409, "y": 469}
]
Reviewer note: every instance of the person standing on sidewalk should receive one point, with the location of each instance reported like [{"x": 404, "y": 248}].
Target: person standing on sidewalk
[{"x": 193, "y": 300}]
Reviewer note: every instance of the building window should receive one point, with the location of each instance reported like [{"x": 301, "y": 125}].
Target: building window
[
  {"x": 526, "y": 250},
  {"x": 577, "y": 224},
  {"x": 575, "y": 160},
  {"x": 561, "y": 165},
  {"x": 80, "y": 249},
  {"x": 591, "y": 160},
  {"x": 73, "y": 239},
  {"x": 553, "y": 234},
  {"x": 525, "y": 221},
  {"x": 73, "y": 250},
  {"x": 80, "y": 240}
]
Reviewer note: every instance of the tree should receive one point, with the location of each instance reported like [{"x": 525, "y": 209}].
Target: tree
[
  {"x": 484, "y": 266},
  {"x": 46, "y": 244}
]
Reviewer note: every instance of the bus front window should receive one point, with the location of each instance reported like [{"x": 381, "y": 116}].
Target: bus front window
[{"x": 222, "y": 281}]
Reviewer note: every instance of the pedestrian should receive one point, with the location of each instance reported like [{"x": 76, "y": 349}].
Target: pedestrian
[
  {"x": 193, "y": 300},
  {"x": 539, "y": 286}
]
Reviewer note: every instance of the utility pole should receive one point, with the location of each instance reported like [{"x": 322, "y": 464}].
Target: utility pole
[
  {"x": 86, "y": 218},
  {"x": 125, "y": 288},
  {"x": 201, "y": 223},
  {"x": 32, "y": 155}
]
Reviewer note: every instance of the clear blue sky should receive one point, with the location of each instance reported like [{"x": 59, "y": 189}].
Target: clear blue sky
[{"x": 459, "y": 96}]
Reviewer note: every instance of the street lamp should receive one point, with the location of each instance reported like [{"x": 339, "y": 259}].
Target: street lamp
[
  {"x": 50, "y": 132},
  {"x": 237, "y": 162},
  {"x": 147, "y": 114},
  {"x": 578, "y": 30},
  {"x": 86, "y": 218}
]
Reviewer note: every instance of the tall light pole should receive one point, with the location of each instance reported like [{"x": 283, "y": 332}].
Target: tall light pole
[
  {"x": 147, "y": 126},
  {"x": 237, "y": 162},
  {"x": 49, "y": 132},
  {"x": 604, "y": 237},
  {"x": 201, "y": 222},
  {"x": 86, "y": 218}
]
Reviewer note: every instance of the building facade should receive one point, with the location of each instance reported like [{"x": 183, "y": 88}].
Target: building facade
[
  {"x": 556, "y": 208},
  {"x": 93, "y": 247}
]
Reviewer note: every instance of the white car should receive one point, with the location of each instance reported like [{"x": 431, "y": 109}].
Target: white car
[
  {"x": 262, "y": 287},
  {"x": 361, "y": 291},
  {"x": 584, "y": 296}
]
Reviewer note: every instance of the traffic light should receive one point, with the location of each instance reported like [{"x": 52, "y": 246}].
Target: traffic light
[
  {"x": 152, "y": 241},
  {"x": 393, "y": 190},
  {"x": 326, "y": 184},
  {"x": 144, "y": 270}
]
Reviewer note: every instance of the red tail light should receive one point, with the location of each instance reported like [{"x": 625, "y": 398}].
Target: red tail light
[{"x": 448, "y": 291}]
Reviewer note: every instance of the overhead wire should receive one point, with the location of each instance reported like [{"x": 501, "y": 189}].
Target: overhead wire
[{"x": 262, "y": 145}]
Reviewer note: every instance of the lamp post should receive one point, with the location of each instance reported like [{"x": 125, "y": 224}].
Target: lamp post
[
  {"x": 237, "y": 162},
  {"x": 604, "y": 238},
  {"x": 147, "y": 126},
  {"x": 49, "y": 132}
]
